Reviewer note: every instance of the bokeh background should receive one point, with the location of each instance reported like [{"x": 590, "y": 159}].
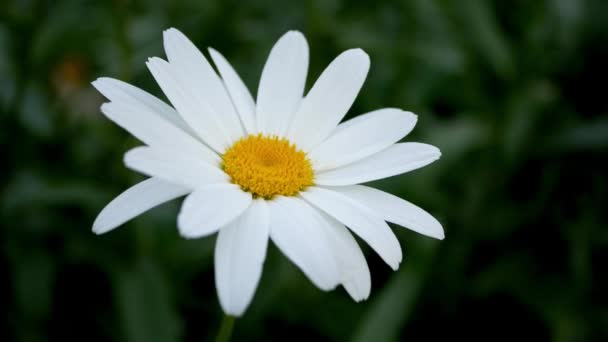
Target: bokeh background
[{"x": 513, "y": 92}]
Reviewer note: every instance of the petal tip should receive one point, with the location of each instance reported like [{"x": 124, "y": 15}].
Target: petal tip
[
  {"x": 294, "y": 36},
  {"x": 171, "y": 31},
  {"x": 188, "y": 233},
  {"x": 212, "y": 51},
  {"x": 294, "y": 33},
  {"x": 357, "y": 294},
  {"x": 232, "y": 312},
  {"x": 99, "y": 228},
  {"x": 183, "y": 232},
  {"x": 96, "y": 229},
  {"x": 97, "y": 81},
  {"x": 394, "y": 265},
  {"x": 100, "y": 83},
  {"x": 359, "y": 53},
  {"x": 440, "y": 234},
  {"x": 410, "y": 114},
  {"x": 154, "y": 59},
  {"x": 328, "y": 286},
  {"x": 361, "y": 299},
  {"x": 190, "y": 236},
  {"x": 433, "y": 151}
]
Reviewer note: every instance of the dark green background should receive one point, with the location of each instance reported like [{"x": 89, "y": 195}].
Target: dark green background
[{"x": 513, "y": 92}]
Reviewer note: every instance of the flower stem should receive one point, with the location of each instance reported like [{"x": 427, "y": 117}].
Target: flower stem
[{"x": 225, "y": 332}]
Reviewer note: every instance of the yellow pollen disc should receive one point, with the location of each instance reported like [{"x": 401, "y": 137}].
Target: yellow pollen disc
[{"x": 267, "y": 166}]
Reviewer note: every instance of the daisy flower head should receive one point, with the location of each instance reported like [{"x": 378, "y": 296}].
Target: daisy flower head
[{"x": 281, "y": 167}]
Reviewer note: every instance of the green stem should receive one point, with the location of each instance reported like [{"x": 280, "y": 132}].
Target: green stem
[{"x": 225, "y": 332}]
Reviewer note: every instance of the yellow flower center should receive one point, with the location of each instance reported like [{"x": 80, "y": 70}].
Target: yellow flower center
[{"x": 267, "y": 166}]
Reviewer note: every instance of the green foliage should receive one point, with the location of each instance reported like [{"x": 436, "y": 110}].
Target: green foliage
[{"x": 510, "y": 91}]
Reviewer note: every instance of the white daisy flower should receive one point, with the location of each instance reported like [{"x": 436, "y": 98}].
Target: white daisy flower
[{"x": 281, "y": 167}]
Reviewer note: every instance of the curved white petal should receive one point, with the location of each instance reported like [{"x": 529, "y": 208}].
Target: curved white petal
[
  {"x": 240, "y": 95},
  {"x": 329, "y": 99},
  {"x": 199, "y": 115},
  {"x": 359, "y": 120},
  {"x": 372, "y": 133},
  {"x": 297, "y": 231},
  {"x": 354, "y": 272},
  {"x": 154, "y": 131},
  {"x": 184, "y": 170},
  {"x": 394, "y": 209},
  {"x": 196, "y": 72},
  {"x": 397, "y": 159},
  {"x": 360, "y": 220},
  {"x": 123, "y": 93},
  {"x": 210, "y": 207},
  {"x": 134, "y": 201},
  {"x": 240, "y": 251},
  {"x": 282, "y": 83}
]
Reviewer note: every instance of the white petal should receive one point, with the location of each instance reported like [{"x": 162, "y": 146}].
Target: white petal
[
  {"x": 372, "y": 133},
  {"x": 240, "y": 251},
  {"x": 354, "y": 272},
  {"x": 282, "y": 83},
  {"x": 123, "y": 93},
  {"x": 154, "y": 131},
  {"x": 199, "y": 115},
  {"x": 358, "y": 120},
  {"x": 296, "y": 229},
  {"x": 187, "y": 171},
  {"x": 397, "y": 159},
  {"x": 360, "y": 220},
  {"x": 134, "y": 201},
  {"x": 329, "y": 99},
  {"x": 197, "y": 74},
  {"x": 210, "y": 207},
  {"x": 240, "y": 95},
  {"x": 394, "y": 209}
]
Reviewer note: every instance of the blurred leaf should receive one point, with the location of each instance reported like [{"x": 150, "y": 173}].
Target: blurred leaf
[
  {"x": 33, "y": 281},
  {"x": 392, "y": 307},
  {"x": 146, "y": 305},
  {"x": 524, "y": 110},
  {"x": 439, "y": 55},
  {"x": 57, "y": 31},
  {"x": 569, "y": 15},
  {"x": 30, "y": 189},
  {"x": 144, "y": 34},
  {"x": 8, "y": 69},
  {"x": 457, "y": 136},
  {"x": 36, "y": 113},
  {"x": 483, "y": 30},
  {"x": 583, "y": 136},
  {"x": 435, "y": 43}
]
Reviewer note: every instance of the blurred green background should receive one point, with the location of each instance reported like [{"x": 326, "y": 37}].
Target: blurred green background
[{"x": 513, "y": 92}]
